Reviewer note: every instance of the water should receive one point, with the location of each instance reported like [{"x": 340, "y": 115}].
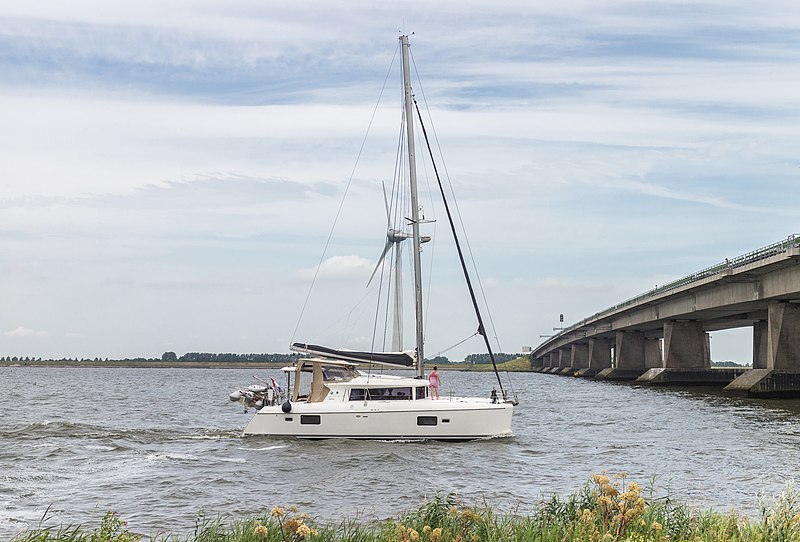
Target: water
[{"x": 161, "y": 445}]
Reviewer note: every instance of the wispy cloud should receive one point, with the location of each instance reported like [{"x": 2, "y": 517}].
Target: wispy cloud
[
  {"x": 24, "y": 332},
  {"x": 339, "y": 268},
  {"x": 195, "y": 157}
]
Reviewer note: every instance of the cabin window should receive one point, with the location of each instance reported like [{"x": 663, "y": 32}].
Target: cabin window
[
  {"x": 390, "y": 394},
  {"x": 427, "y": 420},
  {"x": 358, "y": 395},
  {"x": 336, "y": 374},
  {"x": 421, "y": 392},
  {"x": 310, "y": 419}
]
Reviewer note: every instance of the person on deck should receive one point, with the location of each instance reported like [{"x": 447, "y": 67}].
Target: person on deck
[{"x": 433, "y": 378}]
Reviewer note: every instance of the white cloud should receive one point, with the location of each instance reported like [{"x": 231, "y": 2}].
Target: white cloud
[
  {"x": 339, "y": 268},
  {"x": 22, "y": 331}
]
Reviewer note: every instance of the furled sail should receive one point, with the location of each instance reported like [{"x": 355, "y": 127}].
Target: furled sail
[{"x": 398, "y": 359}]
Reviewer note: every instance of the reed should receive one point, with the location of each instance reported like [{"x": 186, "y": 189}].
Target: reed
[{"x": 607, "y": 508}]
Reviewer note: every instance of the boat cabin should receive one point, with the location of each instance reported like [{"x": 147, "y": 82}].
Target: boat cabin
[{"x": 320, "y": 379}]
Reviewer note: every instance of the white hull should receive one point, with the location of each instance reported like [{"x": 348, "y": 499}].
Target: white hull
[{"x": 459, "y": 418}]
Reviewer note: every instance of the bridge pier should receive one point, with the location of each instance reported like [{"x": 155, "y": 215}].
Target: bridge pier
[
  {"x": 599, "y": 357},
  {"x": 547, "y": 362},
  {"x": 760, "y": 344},
  {"x": 559, "y": 359},
  {"x": 686, "y": 345},
  {"x": 687, "y": 358},
  {"x": 579, "y": 358},
  {"x": 629, "y": 357},
  {"x": 652, "y": 353},
  {"x": 781, "y": 377},
  {"x": 565, "y": 361}
]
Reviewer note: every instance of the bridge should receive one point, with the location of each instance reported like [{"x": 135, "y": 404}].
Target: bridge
[{"x": 662, "y": 337}]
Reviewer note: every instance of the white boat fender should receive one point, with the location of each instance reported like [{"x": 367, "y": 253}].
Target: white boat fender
[
  {"x": 235, "y": 396},
  {"x": 286, "y": 407}
]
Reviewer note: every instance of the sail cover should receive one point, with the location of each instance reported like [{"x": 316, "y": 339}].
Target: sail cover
[{"x": 399, "y": 359}]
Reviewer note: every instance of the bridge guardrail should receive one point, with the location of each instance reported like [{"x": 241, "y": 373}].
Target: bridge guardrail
[{"x": 791, "y": 241}]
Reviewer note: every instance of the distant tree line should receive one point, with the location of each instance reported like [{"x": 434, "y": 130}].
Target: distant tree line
[
  {"x": 500, "y": 357},
  {"x": 210, "y": 357},
  {"x": 728, "y": 364},
  {"x": 20, "y": 358},
  {"x": 207, "y": 357},
  {"x": 189, "y": 357},
  {"x": 438, "y": 360}
]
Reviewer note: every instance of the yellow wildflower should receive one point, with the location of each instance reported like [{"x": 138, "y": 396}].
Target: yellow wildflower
[
  {"x": 293, "y": 509},
  {"x": 605, "y": 500},
  {"x": 599, "y": 479},
  {"x": 277, "y": 512},
  {"x": 401, "y": 530},
  {"x": 587, "y": 516},
  {"x": 304, "y": 531},
  {"x": 260, "y": 530},
  {"x": 656, "y": 526},
  {"x": 608, "y": 536},
  {"x": 436, "y": 535},
  {"x": 413, "y": 535},
  {"x": 426, "y": 529},
  {"x": 625, "y": 496},
  {"x": 610, "y": 490},
  {"x": 634, "y": 487},
  {"x": 292, "y": 525}
]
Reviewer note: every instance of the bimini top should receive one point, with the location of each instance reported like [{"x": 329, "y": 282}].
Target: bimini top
[{"x": 397, "y": 359}]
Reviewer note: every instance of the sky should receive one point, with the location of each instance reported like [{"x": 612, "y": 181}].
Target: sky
[{"x": 170, "y": 171}]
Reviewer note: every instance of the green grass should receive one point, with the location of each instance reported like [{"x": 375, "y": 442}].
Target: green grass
[{"x": 606, "y": 509}]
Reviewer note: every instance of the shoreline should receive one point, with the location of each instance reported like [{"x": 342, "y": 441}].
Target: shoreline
[
  {"x": 469, "y": 367},
  {"x": 608, "y": 508}
]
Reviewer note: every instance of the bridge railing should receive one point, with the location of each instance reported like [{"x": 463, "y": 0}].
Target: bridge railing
[{"x": 791, "y": 241}]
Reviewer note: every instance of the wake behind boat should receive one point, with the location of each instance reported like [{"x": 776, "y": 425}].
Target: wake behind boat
[{"x": 337, "y": 393}]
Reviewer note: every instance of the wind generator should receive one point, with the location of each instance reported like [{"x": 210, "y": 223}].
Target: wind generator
[{"x": 395, "y": 237}]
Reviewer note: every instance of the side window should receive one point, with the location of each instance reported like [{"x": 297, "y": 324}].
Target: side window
[
  {"x": 422, "y": 392},
  {"x": 427, "y": 420},
  {"x": 310, "y": 419},
  {"x": 386, "y": 394},
  {"x": 358, "y": 395}
]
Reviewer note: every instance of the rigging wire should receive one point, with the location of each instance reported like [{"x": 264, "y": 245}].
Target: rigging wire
[
  {"x": 459, "y": 343},
  {"x": 426, "y": 175},
  {"x": 458, "y": 213},
  {"x": 344, "y": 197},
  {"x": 481, "y": 329}
]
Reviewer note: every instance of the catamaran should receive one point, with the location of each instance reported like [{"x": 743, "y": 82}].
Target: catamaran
[{"x": 338, "y": 393}]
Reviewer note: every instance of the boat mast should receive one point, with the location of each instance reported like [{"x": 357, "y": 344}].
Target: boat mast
[{"x": 412, "y": 174}]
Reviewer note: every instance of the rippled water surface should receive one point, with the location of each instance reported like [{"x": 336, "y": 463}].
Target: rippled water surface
[{"x": 161, "y": 445}]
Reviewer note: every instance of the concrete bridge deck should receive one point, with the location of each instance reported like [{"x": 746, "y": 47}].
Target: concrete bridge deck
[{"x": 661, "y": 336}]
